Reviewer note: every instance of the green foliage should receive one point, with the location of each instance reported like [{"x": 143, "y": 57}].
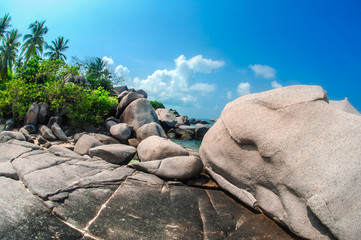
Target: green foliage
[
  {"x": 17, "y": 96},
  {"x": 98, "y": 74},
  {"x": 156, "y": 104},
  {"x": 43, "y": 82},
  {"x": 82, "y": 106}
]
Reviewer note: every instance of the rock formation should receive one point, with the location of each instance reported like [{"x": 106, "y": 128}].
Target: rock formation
[{"x": 293, "y": 155}]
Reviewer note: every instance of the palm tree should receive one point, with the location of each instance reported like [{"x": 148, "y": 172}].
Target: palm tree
[
  {"x": 9, "y": 51},
  {"x": 34, "y": 42},
  {"x": 4, "y": 24},
  {"x": 57, "y": 49},
  {"x": 96, "y": 68}
]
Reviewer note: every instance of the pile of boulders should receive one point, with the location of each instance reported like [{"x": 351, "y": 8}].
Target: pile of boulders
[
  {"x": 289, "y": 152},
  {"x": 136, "y": 132}
]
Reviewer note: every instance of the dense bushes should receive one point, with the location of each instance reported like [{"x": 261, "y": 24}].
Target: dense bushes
[
  {"x": 43, "y": 81},
  {"x": 156, "y": 104}
]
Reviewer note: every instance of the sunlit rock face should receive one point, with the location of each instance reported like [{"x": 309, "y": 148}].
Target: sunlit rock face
[
  {"x": 68, "y": 196},
  {"x": 293, "y": 155}
]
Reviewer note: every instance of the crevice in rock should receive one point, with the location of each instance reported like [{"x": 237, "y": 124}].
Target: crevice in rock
[
  {"x": 104, "y": 205},
  {"x": 201, "y": 214},
  {"x": 264, "y": 104},
  {"x": 21, "y": 155},
  {"x": 85, "y": 234}
]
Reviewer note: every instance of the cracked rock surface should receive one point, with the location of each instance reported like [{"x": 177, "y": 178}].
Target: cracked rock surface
[{"x": 74, "y": 197}]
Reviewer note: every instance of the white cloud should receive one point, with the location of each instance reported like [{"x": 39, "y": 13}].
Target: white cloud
[
  {"x": 244, "y": 88},
  {"x": 203, "y": 87},
  {"x": 179, "y": 83},
  {"x": 108, "y": 60},
  {"x": 275, "y": 84},
  {"x": 229, "y": 95},
  {"x": 121, "y": 71},
  {"x": 264, "y": 71}
]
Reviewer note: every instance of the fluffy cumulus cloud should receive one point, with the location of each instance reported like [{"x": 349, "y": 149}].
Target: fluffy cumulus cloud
[
  {"x": 108, "y": 60},
  {"x": 264, "y": 71},
  {"x": 179, "y": 83},
  {"x": 121, "y": 70},
  {"x": 244, "y": 88},
  {"x": 275, "y": 84}
]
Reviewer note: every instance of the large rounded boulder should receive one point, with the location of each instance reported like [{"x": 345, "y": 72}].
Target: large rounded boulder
[
  {"x": 167, "y": 118},
  {"x": 295, "y": 156},
  {"x": 150, "y": 129},
  {"x": 156, "y": 148},
  {"x": 138, "y": 113},
  {"x": 31, "y": 116}
]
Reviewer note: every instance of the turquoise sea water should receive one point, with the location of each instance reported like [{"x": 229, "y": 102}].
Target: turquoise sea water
[{"x": 191, "y": 144}]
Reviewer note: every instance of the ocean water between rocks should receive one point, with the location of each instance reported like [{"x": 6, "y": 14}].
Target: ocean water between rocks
[{"x": 192, "y": 144}]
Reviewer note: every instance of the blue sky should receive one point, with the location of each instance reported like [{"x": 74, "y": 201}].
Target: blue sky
[{"x": 196, "y": 56}]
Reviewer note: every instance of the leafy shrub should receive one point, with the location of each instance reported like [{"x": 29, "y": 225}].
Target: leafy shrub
[
  {"x": 17, "y": 97},
  {"x": 83, "y": 107},
  {"x": 156, "y": 104},
  {"x": 42, "y": 81}
]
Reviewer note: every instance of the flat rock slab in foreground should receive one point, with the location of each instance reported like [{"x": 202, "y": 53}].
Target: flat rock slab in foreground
[
  {"x": 146, "y": 207},
  {"x": 61, "y": 197},
  {"x": 22, "y": 216}
]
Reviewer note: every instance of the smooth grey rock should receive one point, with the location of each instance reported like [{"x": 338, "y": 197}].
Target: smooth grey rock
[
  {"x": 30, "y": 128},
  {"x": 125, "y": 101},
  {"x": 23, "y": 216},
  {"x": 44, "y": 113},
  {"x": 7, "y": 170},
  {"x": 61, "y": 151},
  {"x": 184, "y": 132},
  {"x": 201, "y": 130},
  {"x": 145, "y": 207},
  {"x": 32, "y": 115},
  {"x": 26, "y": 134},
  {"x": 32, "y": 146},
  {"x": 138, "y": 113},
  {"x": 41, "y": 140},
  {"x": 344, "y": 105},
  {"x": 109, "y": 124},
  {"x": 58, "y": 132},
  {"x": 166, "y": 117},
  {"x": 296, "y": 154},
  {"x": 150, "y": 129},
  {"x": 47, "y": 133},
  {"x": 142, "y": 93},
  {"x": 114, "y": 153},
  {"x": 122, "y": 94},
  {"x": 104, "y": 139},
  {"x": 121, "y": 131},
  {"x": 53, "y": 120},
  {"x": 35, "y": 161},
  {"x": 183, "y": 120},
  {"x": 180, "y": 168},
  {"x": 7, "y": 135},
  {"x": 133, "y": 142},
  {"x": 9, "y": 125},
  {"x": 82, "y": 205},
  {"x": 46, "y": 174},
  {"x": 77, "y": 136},
  {"x": 86, "y": 142},
  {"x": 156, "y": 148}
]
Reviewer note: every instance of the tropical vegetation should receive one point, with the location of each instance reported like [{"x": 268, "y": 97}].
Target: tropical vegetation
[
  {"x": 156, "y": 104},
  {"x": 35, "y": 71}
]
